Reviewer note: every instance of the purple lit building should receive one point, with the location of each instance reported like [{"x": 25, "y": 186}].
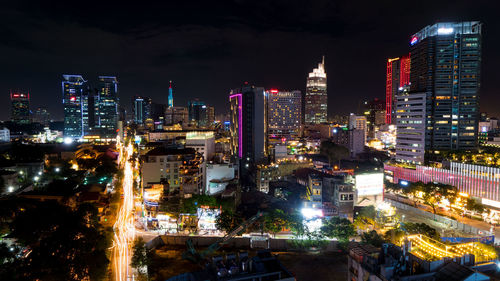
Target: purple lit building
[{"x": 248, "y": 124}]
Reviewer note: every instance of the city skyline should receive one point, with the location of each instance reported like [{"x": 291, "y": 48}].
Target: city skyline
[{"x": 194, "y": 65}]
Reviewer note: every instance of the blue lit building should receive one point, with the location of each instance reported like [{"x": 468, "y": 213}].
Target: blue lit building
[
  {"x": 197, "y": 113},
  {"x": 75, "y": 90},
  {"x": 142, "y": 109},
  {"x": 170, "y": 96}
]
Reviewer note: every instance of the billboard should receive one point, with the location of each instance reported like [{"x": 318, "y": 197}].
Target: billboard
[{"x": 370, "y": 184}]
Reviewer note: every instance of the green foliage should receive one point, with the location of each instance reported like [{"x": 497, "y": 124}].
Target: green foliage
[
  {"x": 228, "y": 221},
  {"x": 394, "y": 236},
  {"x": 64, "y": 244},
  {"x": 473, "y": 205},
  {"x": 339, "y": 228},
  {"x": 190, "y": 205},
  {"x": 368, "y": 212},
  {"x": 421, "y": 228},
  {"x": 333, "y": 151},
  {"x": 140, "y": 258},
  {"x": 275, "y": 221},
  {"x": 372, "y": 238},
  {"x": 306, "y": 244}
]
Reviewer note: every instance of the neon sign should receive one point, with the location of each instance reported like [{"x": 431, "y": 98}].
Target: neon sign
[{"x": 414, "y": 40}]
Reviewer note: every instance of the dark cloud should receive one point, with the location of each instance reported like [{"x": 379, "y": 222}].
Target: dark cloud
[{"x": 207, "y": 47}]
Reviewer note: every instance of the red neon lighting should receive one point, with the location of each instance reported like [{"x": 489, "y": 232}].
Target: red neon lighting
[
  {"x": 274, "y": 91},
  {"x": 414, "y": 40},
  {"x": 170, "y": 85},
  {"x": 388, "y": 94},
  {"x": 72, "y": 98},
  {"x": 16, "y": 95},
  {"x": 404, "y": 71}
]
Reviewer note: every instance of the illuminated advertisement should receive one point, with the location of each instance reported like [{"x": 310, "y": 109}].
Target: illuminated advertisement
[
  {"x": 207, "y": 218},
  {"x": 414, "y": 40},
  {"x": 370, "y": 184}
]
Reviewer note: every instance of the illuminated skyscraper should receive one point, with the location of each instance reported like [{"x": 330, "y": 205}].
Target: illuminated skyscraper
[
  {"x": 107, "y": 120},
  {"x": 197, "y": 113},
  {"x": 284, "y": 112},
  {"x": 75, "y": 92},
  {"x": 316, "y": 99},
  {"x": 398, "y": 76},
  {"x": 20, "y": 107},
  {"x": 142, "y": 109},
  {"x": 445, "y": 66},
  {"x": 170, "y": 96},
  {"x": 248, "y": 124}
]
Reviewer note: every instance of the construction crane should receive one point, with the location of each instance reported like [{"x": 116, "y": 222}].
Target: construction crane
[{"x": 194, "y": 256}]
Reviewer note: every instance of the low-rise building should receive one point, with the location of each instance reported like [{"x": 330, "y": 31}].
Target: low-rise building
[
  {"x": 218, "y": 177},
  {"x": 177, "y": 168}
]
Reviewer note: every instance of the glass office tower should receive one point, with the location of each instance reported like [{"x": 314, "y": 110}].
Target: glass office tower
[
  {"x": 316, "y": 99},
  {"x": 445, "y": 65}
]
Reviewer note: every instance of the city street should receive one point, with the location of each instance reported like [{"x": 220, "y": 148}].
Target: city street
[{"x": 124, "y": 225}]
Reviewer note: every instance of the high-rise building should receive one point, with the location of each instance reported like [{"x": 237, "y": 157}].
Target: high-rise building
[
  {"x": 75, "y": 101},
  {"x": 197, "y": 111},
  {"x": 176, "y": 115},
  {"x": 284, "y": 112},
  {"x": 398, "y": 76},
  {"x": 210, "y": 116},
  {"x": 142, "y": 109},
  {"x": 248, "y": 124},
  {"x": 107, "y": 120},
  {"x": 316, "y": 99},
  {"x": 374, "y": 111},
  {"x": 359, "y": 123},
  {"x": 445, "y": 66},
  {"x": 170, "y": 96},
  {"x": 410, "y": 124},
  {"x": 20, "y": 107},
  {"x": 42, "y": 116}
]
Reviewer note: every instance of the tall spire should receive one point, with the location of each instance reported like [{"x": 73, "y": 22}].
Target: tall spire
[
  {"x": 170, "y": 95},
  {"x": 323, "y": 61}
]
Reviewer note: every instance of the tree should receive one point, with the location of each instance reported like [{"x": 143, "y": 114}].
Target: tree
[
  {"x": 228, "y": 221},
  {"x": 296, "y": 221},
  {"x": 190, "y": 205},
  {"x": 368, "y": 212},
  {"x": 421, "y": 228},
  {"x": 473, "y": 205},
  {"x": 275, "y": 221},
  {"x": 64, "y": 244},
  {"x": 394, "y": 235},
  {"x": 339, "y": 228},
  {"x": 333, "y": 151},
  {"x": 140, "y": 259},
  {"x": 372, "y": 238}
]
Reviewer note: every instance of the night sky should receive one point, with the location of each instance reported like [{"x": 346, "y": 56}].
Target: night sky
[{"x": 209, "y": 47}]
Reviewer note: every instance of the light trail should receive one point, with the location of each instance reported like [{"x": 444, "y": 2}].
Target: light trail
[{"x": 124, "y": 226}]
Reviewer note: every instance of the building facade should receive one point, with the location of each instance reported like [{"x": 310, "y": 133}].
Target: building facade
[
  {"x": 248, "y": 124},
  {"x": 374, "y": 111},
  {"x": 42, "y": 116},
  {"x": 20, "y": 107},
  {"x": 445, "y": 66},
  {"x": 107, "y": 115},
  {"x": 75, "y": 90},
  {"x": 284, "y": 112},
  {"x": 410, "y": 127},
  {"x": 397, "y": 76},
  {"x": 176, "y": 115},
  {"x": 142, "y": 109},
  {"x": 316, "y": 98},
  {"x": 477, "y": 181}
]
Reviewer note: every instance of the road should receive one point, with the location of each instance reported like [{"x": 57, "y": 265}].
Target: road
[{"x": 124, "y": 226}]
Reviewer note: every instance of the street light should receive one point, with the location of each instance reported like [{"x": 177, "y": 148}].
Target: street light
[
  {"x": 10, "y": 189},
  {"x": 36, "y": 178},
  {"x": 58, "y": 170}
]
